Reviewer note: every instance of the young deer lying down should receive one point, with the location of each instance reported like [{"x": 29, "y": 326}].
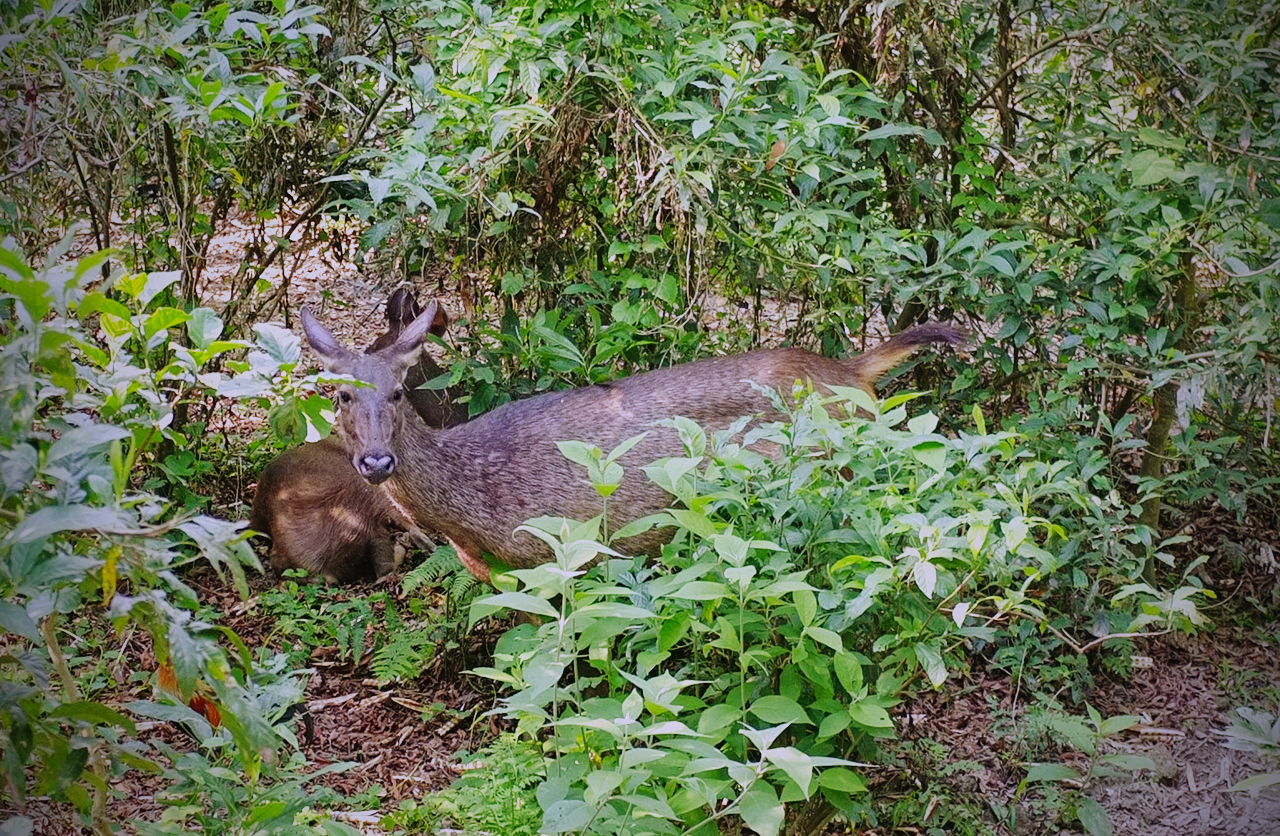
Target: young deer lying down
[
  {"x": 475, "y": 483},
  {"x": 320, "y": 514}
]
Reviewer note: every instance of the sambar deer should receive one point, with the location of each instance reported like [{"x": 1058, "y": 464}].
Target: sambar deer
[
  {"x": 319, "y": 513},
  {"x": 476, "y": 482}
]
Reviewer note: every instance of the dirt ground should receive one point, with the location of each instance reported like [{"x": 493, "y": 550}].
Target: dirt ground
[{"x": 1180, "y": 693}]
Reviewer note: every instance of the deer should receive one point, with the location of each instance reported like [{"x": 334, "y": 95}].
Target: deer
[
  {"x": 476, "y": 483},
  {"x": 319, "y": 513}
]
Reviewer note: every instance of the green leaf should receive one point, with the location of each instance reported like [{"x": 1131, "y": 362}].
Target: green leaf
[
  {"x": 56, "y": 518},
  {"x": 1117, "y": 724},
  {"x": 891, "y": 130},
  {"x": 518, "y": 601},
  {"x": 842, "y": 779},
  {"x": 822, "y": 635},
  {"x": 93, "y": 713},
  {"x": 14, "y": 619},
  {"x": 796, "y": 764},
  {"x": 1149, "y": 168},
  {"x": 281, "y": 345},
  {"x": 869, "y": 715},
  {"x": 700, "y": 591},
  {"x": 1093, "y": 817},
  {"x": 1052, "y": 772},
  {"x": 930, "y": 658},
  {"x": 567, "y": 816},
  {"x": 761, "y": 810},
  {"x": 1255, "y": 783},
  {"x": 154, "y": 284},
  {"x": 163, "y": 319},
  {"x": 204, "y": 327},
  {"x": 97, "y": 302},
  {"x": 931, "y": 454},
  {"x": 849, "y": 672},
  {"x": 1133, "y": 763},
  {"x": 777, "y": 709}
]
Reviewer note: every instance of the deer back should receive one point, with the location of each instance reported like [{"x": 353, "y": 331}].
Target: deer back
[{"x": 476, "y": 482}]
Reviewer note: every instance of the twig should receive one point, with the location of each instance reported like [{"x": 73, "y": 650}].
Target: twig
[
  {"x": 1021, "y": 62},
  {"x": 1272, "y": 266}
]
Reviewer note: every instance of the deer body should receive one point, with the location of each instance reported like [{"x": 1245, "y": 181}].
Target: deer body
[
  {"x": 477, "y": 482},
  {"x": 324, "y": 517}
]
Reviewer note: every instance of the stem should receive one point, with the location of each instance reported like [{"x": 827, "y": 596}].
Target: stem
[
  {"x": 70, "y": 694},
  {"x": 1182, "y": 317}
]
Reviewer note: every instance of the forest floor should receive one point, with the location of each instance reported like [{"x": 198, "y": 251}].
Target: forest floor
[{"x": 404, "y": 737}]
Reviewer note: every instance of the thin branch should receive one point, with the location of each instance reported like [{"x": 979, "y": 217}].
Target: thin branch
[
  {"x": 1272, "y": 266},
  {"x": 318, "y": 203},
  {"x": 1021, "y": 62}
]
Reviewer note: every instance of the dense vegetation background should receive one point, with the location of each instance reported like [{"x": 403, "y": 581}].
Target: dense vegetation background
[{"x": 601, "y": 188}]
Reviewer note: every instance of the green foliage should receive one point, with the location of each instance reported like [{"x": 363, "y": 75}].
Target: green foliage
[
  {"x": 1094, "y": 190},
  {"x": 77, "y": 415},
  {"x": 1087, "y": 737},
  {"x": 1253, "y": 730},
  {"x": 310, "y": 616},
  {"x": 494, "y": 794},
  {"x": 801, "y": 599}
]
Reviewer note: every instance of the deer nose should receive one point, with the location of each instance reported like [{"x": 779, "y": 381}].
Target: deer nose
[{"x": 377, "y": 467}]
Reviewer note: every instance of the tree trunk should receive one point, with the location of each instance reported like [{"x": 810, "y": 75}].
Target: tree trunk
[{"x": 1182, "y": 321}]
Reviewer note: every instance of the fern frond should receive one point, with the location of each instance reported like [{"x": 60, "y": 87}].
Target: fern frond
[
  {"x": 442, "y": 563},
  {"x": 403, "y": 657}
]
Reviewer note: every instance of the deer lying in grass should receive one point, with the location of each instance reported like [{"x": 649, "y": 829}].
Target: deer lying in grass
[
  {"x": 320, "y": 514},
  {"x": 476, "y": 482}
]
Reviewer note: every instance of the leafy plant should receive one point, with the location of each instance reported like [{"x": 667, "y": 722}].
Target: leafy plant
[
  {"x": 495, "y": 793},
  {"x": 1087, "y": 736},
  {"x": 801, "y": 598},
  {"x": 76, "y": 535},
  {"x": 1252, "y": 730}
]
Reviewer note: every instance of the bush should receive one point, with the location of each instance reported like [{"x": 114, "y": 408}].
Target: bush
[{"x": 802, "y": 598}]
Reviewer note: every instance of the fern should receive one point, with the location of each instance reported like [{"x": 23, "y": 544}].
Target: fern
[
  {"x": 404, "y": 656},
  {"x": 496, "y": 794},
  {"x": 443, "y": 569}
]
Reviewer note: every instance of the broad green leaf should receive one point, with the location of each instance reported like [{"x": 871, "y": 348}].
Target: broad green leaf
[
  {"x": 701, "y": 591},
  {"x": 869, "y": 715},
  {"x": 1093, "y": 817},
  {"x": 154, "y": 284},
  {"x": 1256, "y": 783},
  {"x": 280, "y": 344},
  {"x": 777, "y": 709},
  {"x": 842, "y": 779},
  {"x": 162, "y": 319},
  {"x": 97, "y": 302},
  {"x": 891, "y": 130},
  {"x": 567, "y": 816},
  {"x": 1149, "y": 168},
  {"x": 518, "y": 601},
  {"x": 14, "y": 619},
  {"x": 796, "y": 764},
  {"x": 93, "y": 713},
  {"x": 761, "y": 809},
  {"x": 930, "y": 658},
  {"x": 56, "y": 518},
  {"x": 204, "y": 327},
  {"x": 1052, "y": 772},
  {"x": 931, "y": 454}
]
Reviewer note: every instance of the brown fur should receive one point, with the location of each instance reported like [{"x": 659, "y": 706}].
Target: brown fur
[
  {"x": 319, "y": 513},
  {"x": 475, "y": 483}
]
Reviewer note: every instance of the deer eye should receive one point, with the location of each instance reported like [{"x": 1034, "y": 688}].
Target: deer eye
[
  {"x": 397, "y": 394},
  {"x": 344, "y": 397}
]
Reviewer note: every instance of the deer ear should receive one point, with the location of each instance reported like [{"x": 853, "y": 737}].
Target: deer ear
[
  {"x": 336, "y": 357},
  {"x": 402, "y": 309},
  {"x": 439, "y": 322},
  {"x": 405, "y": 351}
]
